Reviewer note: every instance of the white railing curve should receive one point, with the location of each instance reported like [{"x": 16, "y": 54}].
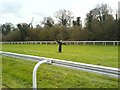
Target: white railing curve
[{"x": 35, "y": 72}]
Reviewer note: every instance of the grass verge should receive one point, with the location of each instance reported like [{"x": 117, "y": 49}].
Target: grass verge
[
  {"x": 92, "y": 54},
  {"x": 17, "y": 73}
]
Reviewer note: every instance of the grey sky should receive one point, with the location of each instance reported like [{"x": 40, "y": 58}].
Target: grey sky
[{"x": 17, "y": 11}]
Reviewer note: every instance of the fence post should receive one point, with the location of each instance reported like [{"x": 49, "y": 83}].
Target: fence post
[
  {"x": 113, "y": 43},
  {"x": 34, "y": 73},
  {"x": 118, "y": 43},
  {"x": 105, "y": 43}
]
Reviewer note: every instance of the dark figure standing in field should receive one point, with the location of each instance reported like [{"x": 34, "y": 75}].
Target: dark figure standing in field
[{"x": 60, "y": 45}]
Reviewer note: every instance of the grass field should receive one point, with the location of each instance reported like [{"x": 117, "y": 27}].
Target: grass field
[
  {"x": 0, "y": 72},
  {"x": 93, "y": 54},
  {"x": 17, "y": 73}
]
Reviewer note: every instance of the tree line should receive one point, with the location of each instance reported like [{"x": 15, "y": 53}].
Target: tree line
[{"x": 100, "y": 25}]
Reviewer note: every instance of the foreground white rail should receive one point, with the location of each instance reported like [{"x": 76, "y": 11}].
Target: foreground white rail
[
  {"x": 108, "y": 71},
  {"x": 35, "y": 72},
  {"x": 115, "y": 43}
]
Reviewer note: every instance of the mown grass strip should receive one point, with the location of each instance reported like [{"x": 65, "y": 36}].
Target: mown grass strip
[
  {"x": 91, "y": 54},
  {"x": 17, "y": 73}
]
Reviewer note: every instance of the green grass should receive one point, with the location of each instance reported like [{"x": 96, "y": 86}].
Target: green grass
[
  {"x": 0, "y": 72},
  {"x": 17, "y": 73},
  {"x": 92, "y": 54}
]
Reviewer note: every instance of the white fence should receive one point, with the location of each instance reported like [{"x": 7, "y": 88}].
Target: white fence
[
  {"x": 108, "y": 71},
  {"x": 115, "y": 43}
]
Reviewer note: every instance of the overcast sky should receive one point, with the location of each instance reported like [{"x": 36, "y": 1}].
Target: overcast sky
[{"x": 18, "y": 11}]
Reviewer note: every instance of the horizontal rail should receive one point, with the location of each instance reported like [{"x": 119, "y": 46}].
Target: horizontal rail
[
  {"x": 66, "y": 42},
  {"x": 109, "y": 71}
]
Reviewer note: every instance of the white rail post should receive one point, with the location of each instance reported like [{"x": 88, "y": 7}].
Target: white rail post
[
  {"x": 113, "y": 43},
  {"x": 118, "y": 43},
  {"x": 34, "y": 73},
  {"x": 105, "y": 43}
]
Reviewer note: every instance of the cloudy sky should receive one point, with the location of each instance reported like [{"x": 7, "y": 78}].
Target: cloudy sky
[{"x": 18, "y": 11}]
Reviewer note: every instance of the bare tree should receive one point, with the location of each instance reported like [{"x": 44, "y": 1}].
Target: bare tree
[
  {"x": 48, "y": 22},
  {"x": 23, "y": 28},
  {"x": 64, "y": 17}
]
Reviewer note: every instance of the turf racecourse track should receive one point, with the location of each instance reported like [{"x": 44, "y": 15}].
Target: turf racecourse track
[{"x": 82, "y": 63}]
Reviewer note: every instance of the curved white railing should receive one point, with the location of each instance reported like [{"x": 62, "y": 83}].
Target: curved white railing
[
  {"x": 35, "y": 72},
  {"x": 109, "y": 71}
]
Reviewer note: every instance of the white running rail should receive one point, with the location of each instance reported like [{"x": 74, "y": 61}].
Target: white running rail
[
  {"x": 115, "y": 43},
  {"x": 35, "y": 72},
  {"x": 108, "y": 71}
]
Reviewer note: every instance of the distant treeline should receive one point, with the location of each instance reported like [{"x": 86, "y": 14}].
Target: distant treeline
[{"x": 100, "y": 25}]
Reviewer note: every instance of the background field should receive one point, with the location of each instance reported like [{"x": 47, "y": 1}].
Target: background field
[
  {"x": 93, "y": 54},
  {"x": 17, "y": 73},
  {"x": 0, "y": 72}
]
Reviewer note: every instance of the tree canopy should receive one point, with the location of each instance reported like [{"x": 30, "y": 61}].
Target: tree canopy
[{"x": 100, "y": 24}]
